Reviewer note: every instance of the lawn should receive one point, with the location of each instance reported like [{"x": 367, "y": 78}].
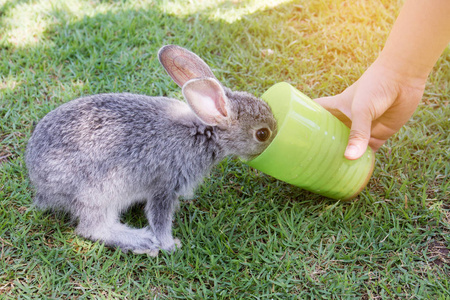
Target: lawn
[{"x": 245, "y": 235}]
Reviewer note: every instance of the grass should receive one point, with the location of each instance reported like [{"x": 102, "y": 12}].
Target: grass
[{"x": 245, "y": 235}]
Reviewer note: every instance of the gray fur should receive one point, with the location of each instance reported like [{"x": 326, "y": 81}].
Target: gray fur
[{"x": 96, "y": 156}]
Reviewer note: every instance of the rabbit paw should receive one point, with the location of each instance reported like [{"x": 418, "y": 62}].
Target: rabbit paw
[
  {"x": 150, "y": 252},
  {"x": 154, "y": 252},
  {"x": 171, "y": 245},
  {"x": 149, "y": 246}
]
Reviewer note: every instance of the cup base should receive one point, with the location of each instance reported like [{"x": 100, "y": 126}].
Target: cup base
[{"x": 366, "y": 181}]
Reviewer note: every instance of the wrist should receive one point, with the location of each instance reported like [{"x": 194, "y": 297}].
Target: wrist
[{"x": 404, "y": 66}]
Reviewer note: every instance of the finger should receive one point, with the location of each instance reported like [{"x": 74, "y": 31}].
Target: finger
[
  {"x": 325, "y": 101},
  {"x": 380, "y": 133},
  {"x": 375, "y": 143},
  {"x": 359, "y": 136},
  {"x": 337, "y": 107}
]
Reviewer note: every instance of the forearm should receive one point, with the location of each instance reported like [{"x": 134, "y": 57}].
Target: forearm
[{"x": 418, "y": 37}]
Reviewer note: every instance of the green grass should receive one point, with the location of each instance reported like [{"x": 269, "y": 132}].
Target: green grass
[{"x": 245, "y": 235}]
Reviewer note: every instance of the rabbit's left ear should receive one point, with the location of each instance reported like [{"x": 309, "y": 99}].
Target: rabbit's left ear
[
  {"x": 183, "y": 65},
  {"x": 208, "y": 100}
]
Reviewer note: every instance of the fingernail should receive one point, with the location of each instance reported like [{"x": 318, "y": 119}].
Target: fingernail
[{"x": 351, "y": 152}]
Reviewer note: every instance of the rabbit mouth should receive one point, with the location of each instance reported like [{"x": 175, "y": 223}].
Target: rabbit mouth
[{"x": 249, "y": 157}]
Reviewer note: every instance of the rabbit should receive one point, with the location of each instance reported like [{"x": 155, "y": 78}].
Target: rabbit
[{"x": 96, "y": 156}]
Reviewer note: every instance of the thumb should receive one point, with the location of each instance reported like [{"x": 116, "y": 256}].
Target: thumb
[{"x": 359, "y": 136}]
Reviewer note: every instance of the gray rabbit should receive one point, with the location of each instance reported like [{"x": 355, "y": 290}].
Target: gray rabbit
[{"x": 96, "y": 156}]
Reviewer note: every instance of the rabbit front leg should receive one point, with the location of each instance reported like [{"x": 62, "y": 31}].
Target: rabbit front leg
[{"x": 159, "y": 210}]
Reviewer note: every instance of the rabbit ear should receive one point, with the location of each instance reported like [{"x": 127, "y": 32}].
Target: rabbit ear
[
  {"x": 183, "y": 65},
  {"x": 207, "y": 99}
]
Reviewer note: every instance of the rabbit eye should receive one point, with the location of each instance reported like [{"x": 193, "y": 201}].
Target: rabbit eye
[{"x": 262, "y": 134}]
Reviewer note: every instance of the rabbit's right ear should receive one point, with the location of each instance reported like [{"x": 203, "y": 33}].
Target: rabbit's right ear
[
  {"x": 207, "y": 99},
  {"x": 183, "y": 65}
]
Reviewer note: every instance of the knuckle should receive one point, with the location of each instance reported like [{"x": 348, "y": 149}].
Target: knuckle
[{"x": 359, "y": 135}]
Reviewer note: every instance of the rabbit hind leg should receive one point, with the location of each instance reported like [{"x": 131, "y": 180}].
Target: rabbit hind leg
[{"x": 105, "y": 227}]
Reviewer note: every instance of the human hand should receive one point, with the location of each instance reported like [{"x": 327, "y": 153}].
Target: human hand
[{"x": 376, "y": 106}]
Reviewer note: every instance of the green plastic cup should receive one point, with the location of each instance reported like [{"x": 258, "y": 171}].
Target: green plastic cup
[{"x": 308, "y": 150}]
